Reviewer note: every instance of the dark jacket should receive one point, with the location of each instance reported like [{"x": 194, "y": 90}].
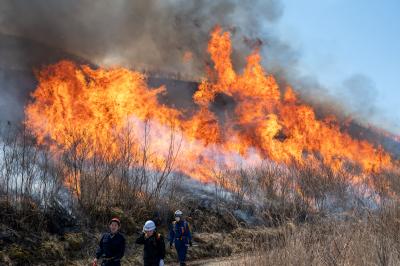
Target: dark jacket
[
  {"x": 111, "y": 247},
  {"x": 180, "y": 232},
  {"x": 154, "y": 248}
]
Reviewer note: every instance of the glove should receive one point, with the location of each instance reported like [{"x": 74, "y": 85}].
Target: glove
[
  {"x": 161, "y": 263},
  {"x": 190, "y": 243}
]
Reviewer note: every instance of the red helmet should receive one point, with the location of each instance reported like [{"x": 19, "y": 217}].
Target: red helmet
[{"x": 116, "y": 220}]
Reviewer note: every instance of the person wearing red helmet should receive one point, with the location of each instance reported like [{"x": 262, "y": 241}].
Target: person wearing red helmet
[{"x": 112, "y": 245}]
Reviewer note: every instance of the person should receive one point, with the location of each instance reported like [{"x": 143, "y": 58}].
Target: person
[
  {"x": 157, "y": 219},
  {"x": 154, "y": 246},
  {"x": 112, "y": 245},
  {"x": 180, "y": 235}
]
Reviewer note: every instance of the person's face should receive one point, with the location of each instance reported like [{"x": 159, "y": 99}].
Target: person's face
[
  {"x": 149, "y": 233},
  {"x": 177, "y": 218},
  {"x": 114, "y": 227}
]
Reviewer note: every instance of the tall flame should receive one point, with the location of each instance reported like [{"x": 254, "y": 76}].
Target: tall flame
[{"x": 97, "y": 104}]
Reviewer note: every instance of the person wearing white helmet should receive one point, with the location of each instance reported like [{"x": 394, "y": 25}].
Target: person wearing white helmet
[
  {"x": 181, "y": 236},
  {"x": 154, "y": 247}
]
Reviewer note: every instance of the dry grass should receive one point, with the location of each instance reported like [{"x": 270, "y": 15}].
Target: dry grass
[
  {"x": 374, "y": 240},
  {"x": 290, "y": 206}
]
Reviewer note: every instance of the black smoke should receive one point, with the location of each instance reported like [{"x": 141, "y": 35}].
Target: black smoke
[
  {"x": 151, "y": 35},
  {"x": 154, "y": 35}
]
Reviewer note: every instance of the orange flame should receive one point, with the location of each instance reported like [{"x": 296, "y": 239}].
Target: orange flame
[{"x": 264, "y": 123}]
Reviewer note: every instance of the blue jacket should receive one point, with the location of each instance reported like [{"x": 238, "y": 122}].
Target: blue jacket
[
  {"x": 111, "y": 246},
  {"x": 180, "y": 232}
]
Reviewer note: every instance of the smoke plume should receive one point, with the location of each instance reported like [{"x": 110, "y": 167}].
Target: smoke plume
[
  {"x": 165, "y": 36},
  {"x": 150, "y": 35},
  {"x": 142, "y": 33}
]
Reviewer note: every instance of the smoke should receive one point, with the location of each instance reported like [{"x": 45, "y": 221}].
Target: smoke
[
  {"x": 153, "y": 35},
  {"x": 142, "y": 33},
  {"x": 359, "y": 93}
]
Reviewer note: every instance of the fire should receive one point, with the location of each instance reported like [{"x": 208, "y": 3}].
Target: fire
[{"x": 266, "y": 121}]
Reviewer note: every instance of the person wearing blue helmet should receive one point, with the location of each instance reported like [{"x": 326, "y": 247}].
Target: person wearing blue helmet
[{"x": 181, "y": 236}]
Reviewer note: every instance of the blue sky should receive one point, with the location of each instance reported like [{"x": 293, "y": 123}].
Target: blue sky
[{"x": 338, "y": 39}]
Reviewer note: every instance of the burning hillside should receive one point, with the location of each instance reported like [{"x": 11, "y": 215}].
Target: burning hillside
[
  {"x": 237, "y": 118},
  {"x": 136, "y": 109}
]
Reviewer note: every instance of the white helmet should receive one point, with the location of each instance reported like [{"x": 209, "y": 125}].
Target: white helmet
[
  {"x": 149, "y": 226},
  {"x": 178, "y": 213}
]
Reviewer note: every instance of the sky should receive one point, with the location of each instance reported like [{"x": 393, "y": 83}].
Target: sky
[{"x": 340, "y": 39}]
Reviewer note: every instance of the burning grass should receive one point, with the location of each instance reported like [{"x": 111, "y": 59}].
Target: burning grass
[
  {"x": 99, "y": 143},
  {"x": 287, "y": 212},
  {"x": 237, "y": 118}
]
